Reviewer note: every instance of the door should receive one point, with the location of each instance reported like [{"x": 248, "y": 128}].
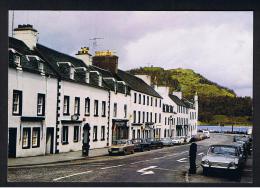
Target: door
[
  {"x": 86, "y": 139},
  {"x": 12, "y": 142},
  {"x": 49, "y": 140}
]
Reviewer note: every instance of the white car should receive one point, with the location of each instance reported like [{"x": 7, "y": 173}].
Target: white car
[
  {"x": 206, "y": 134},
  {"x": 178, "y": 140}
]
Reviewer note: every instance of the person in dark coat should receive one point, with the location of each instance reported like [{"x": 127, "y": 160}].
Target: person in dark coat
[{"x": 192, "y": 157}]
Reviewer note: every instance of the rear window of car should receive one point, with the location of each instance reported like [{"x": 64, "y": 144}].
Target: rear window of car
[
  {"x": 117, "y": 142},
  {"x": 222, "y": 150}
]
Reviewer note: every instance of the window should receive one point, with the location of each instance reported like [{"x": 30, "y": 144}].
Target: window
[
  {"x": 17, "y": 102},
  {"x": 17, "y": 60},
  {"x": 41, "y": 105},
  {"x": 104, "y": 108},
  {"x": 72, "y": 70},
  {"x": 26, "y": 138},
  {"x": 95, "y": 133},
  {"x": 160, "y": 103},
  {"x": 125, "y": 111},
  {"x": 87, "y": 77},
  {"x": 155, "y": 102},
  {"x": 147, "y": 116},
  {"x": 160, "y": 118},
  {"x": 155, "y": 117},
  {"x": 133, "y": 134},
  {"x": 87, "y": 106},
  {"x": 140, "y": 98},
  {"x": 65, "y": 133},
  {"x": 134, "y": 114},
  {"x": 96, "y": 108},
  {"x": 36, "y": 137},
  {"x": 151, "y": 101},
  {"x": 77, "y": 105},
  {"x": 76, "y": 134},
  {"x": 151, "y": 117},
  {"x": 143, "y": 117},
  {"x": 66, "y": 105},
  {"x": 143, "y": 99},
  {"x": 41, "y": 67},
  {"x": 139, "y": 117},
  {"x": 115, "y": 109},
  {"x": 103, "y": 133},
  {"x": 134, "y": 97},
  {"x": 138, "y": 133},
  {"x": 165, "y": 121},
  {"x": 147, "y": 100}
]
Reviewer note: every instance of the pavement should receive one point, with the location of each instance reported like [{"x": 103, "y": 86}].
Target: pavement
[
  {"x": 167, "y": 165},
  {"x": 55, "y": 158}
]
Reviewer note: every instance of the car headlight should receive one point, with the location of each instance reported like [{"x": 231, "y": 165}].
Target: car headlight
[
  {"x": 206, "y": 162},
  {"x": 232, "y": 164}
]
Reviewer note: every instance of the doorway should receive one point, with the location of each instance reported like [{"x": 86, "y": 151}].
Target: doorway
[
  {"x": 49, "y": 140},
  {"x": 12, "y": 142}
]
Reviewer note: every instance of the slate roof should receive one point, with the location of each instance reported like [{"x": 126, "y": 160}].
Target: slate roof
[
  {"x": 53, "y": 56},
  {"x": 177, "y": 100},
  {"x": 189, "y": 104},
  {"x": 137, "y": 84},
  {"x": 31, "y": 64}
]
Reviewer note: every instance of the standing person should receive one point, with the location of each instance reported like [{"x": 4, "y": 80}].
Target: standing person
[{"x": 192, "y": 157}]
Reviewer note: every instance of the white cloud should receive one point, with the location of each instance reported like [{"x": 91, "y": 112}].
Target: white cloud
[{"x": 216, "y": 44}]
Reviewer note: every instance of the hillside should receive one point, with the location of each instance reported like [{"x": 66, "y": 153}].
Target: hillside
[
  {"x": 185, "y": 80},
  {"x": 217, "y": 104}
]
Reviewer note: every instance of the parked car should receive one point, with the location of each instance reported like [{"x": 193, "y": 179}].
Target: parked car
[
  {"x": 241, "y": 148},
  {"x": 121, "y": 147},
  {"x": 206, "y": 134},
  {"x": 167, "y": 142},
  {"x": 141, "y": 144},
  {"x": 154, "y": 142},
  {"x": 226, "y": 157},
  {"x": 178, "y": 140},
  {"x": 187, "y": 139}
]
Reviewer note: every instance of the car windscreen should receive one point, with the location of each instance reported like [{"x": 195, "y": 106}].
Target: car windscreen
[
  {"x": 136, "y": 141},
  {"x": 222, "y": 150}
]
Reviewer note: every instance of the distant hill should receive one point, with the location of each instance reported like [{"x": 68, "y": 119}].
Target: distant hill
[
  {"x": 185, "y": 80},
  {"x": 214, "y": 100}
]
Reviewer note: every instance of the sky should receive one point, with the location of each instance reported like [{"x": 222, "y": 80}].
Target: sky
[{"x": 215, "y": 44}]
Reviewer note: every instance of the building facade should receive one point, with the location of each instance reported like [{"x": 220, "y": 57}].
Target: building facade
[{"x": 60, "y": 103}]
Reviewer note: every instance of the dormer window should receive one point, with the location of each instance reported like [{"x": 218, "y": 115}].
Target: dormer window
[
  {"x": 41, "y": 67},
  {"x": 87, "y": 77},
  {"x": 100, "y": 80},
  {"x": 72, "y": 71},
  {"x": 17, "y": 60}
]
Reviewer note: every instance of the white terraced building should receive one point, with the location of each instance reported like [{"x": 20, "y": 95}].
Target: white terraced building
[{"x": 59, "y": 103}]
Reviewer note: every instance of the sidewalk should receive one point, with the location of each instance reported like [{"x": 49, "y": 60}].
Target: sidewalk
[{"x": 55, "y": 158}]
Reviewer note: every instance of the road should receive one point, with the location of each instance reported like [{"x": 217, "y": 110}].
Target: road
[{"x": 162, "y": 165}]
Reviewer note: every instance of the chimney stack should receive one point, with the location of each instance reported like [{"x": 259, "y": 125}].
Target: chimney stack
[
  {"x": 27, "y": 34},
  {"x": 84, "y": 55},
  {"x": 106, "y": 60}
]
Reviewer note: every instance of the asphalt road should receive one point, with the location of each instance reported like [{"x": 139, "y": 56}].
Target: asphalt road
[{"x": 162, "y": 165}]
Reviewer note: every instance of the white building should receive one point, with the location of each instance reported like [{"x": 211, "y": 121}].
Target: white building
[
  {"x": 32, "y": 92},
  {"x": 59, "y": 103}
]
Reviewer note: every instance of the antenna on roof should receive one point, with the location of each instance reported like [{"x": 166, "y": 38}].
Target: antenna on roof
[{"x": 94, "y": 44}]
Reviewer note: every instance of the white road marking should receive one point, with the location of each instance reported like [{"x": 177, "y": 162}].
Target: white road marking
[
  {"x": 56, "y": 179},
  {"x": 201, "y": 153},
  {"x": 167, "y": 169},
  {"x": 144, "y": 172},
  {"x": 111, "y": 167},
  {"x": 159, "y": 158},
  {"x": 177, "y": 154},
  {"x": 182, "y": 160}
]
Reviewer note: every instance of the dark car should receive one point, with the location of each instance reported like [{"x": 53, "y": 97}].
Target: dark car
[
  {"x": 141, "y": 144},
  {"x": 155, "y": 142}
]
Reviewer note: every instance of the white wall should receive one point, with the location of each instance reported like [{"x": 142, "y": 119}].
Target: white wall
[
  {"x": 73, "y": 90},
  {"x": 31, "y": 84}
]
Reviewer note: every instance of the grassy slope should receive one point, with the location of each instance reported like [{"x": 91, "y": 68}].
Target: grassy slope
[{"x": 189, "y": 82}]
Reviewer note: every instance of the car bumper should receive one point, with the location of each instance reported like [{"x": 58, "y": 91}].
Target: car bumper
[{"x": 219, "y": 167}]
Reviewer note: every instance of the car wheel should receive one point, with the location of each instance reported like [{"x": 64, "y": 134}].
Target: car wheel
[
  {"x": 125, "y": 152},
  {"x": 132, "y": 152},
  {"x": 142, "y": 149}
]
